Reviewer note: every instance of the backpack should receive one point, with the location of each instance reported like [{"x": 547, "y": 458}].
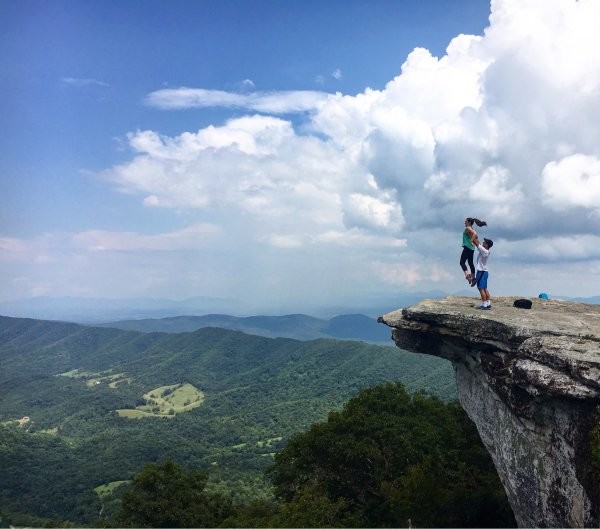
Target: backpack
[{"x": 522, "y": 303}]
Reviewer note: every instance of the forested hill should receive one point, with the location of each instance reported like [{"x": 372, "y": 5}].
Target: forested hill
[
  {"x": 297, "y": 326},
  {"x": 83, "y": 407}
]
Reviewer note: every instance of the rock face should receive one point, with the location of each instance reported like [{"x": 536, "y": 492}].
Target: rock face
[{"x": 530, "y": 380}]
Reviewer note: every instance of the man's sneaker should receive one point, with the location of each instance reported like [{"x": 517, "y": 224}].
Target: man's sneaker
[
  {"x": 487, "y": 307},
  {"x": 481, "y": 307}
]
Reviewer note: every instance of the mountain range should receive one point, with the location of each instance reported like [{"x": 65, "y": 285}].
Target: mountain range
[
  {"x": 296, "y": 326},
  {"x": 83, "y": 408},
  {"x": 100, "y": 310}
]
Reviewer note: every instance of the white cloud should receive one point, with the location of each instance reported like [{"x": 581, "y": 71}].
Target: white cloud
[
  {"x": 269, "y": 102},
  {"x": 555, "y": 249},
  {"x": 337, "y": 74},
  {"x": 194, "y": 236},
  {"x": 285, "y": 241},
  {"x": 503, "y": 126},
  {"x": 374, "y": 186},
  {"x": 572, "y": 182},
  {"x": 37, "y": 250},
  {"x": 366, "y": 211},
  {"x": 82, "y": 82},
  {"x": 398, "y": 275},
  {"x": 411, "y": 273}
]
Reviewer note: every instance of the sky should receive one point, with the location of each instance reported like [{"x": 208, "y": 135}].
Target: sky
[{"x": 285, "y": 153}]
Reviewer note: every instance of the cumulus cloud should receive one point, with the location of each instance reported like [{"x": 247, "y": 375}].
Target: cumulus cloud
[
  {"x": 554, "y": 249},
  {"x": 503, "y": 126},
  {"x": 571, "y": 182}
]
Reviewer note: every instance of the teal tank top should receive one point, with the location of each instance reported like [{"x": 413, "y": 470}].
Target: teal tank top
[{"x": 467, "y": 241}]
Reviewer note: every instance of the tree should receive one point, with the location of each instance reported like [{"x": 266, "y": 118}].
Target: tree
[
  {"x": 166, "y": 495},
  {"x": 389, "y": 456},
  {"x": 311, "y": 507}
]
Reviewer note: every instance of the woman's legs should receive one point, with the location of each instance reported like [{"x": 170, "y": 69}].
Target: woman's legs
[
  {"x": 467, "y": 256},
  {"x": 471, "y": 264}
]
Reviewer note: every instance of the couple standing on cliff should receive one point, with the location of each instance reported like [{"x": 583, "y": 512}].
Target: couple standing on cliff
[{"x": 478, "y": 274}]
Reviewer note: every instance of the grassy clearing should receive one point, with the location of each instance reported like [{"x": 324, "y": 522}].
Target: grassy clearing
[
  {"x": 116, "y": 383},
  {"x": 10, "y": 422},
  {"x": 50, "y": 431},
  {"x": 268, "y": 442},
  {"x": 137, "y": 414},
  {"x": 108, "y": 488},
  {"x": 94, "y": 379},
  {"x": 166, "y": 401},
  {"x": 78, "y": 373}
]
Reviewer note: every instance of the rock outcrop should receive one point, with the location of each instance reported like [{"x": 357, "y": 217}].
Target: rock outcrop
[{"x": 530, "y": 380}]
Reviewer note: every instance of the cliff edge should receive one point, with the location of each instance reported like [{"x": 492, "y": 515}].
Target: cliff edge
[{"x": 530, "y": 380}]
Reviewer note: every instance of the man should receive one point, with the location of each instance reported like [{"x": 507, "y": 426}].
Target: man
[{"x": 481, "y": 276}]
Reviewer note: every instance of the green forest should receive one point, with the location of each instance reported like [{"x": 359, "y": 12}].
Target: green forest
[
  {"x": 387, "y": 459},
  {"x": 101, "y": 427},
  {"x": 69, "y": 381}
]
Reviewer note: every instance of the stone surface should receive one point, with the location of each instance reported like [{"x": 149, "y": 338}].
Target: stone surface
[{"x": 530, "y": 380}]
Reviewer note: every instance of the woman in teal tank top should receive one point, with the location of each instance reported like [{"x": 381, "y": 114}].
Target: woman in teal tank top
[{"x": 468, "y": 248}]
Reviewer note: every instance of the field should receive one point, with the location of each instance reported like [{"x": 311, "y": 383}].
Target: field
[
  {"x": 166, "y": 401},
  {"x": 104, "y": 377},
  {"x": 108, "y": 488}
]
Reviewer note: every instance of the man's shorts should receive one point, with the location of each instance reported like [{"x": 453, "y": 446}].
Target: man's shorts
[{"x": 481, "y": 279}]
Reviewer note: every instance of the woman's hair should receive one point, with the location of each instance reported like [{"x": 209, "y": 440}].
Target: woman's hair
[{"x": 479, "y": 223}]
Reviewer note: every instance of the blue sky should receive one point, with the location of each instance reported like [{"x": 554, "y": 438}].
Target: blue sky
[
  {"x": 282, "y": 153},
  {"x": 77, "y": 74}
]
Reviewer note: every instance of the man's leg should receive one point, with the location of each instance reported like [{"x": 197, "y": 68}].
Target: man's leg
[{"x": 482, "y": 278}]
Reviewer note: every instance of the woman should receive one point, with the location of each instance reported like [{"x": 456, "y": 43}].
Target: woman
[{"x": 469, "y": 235}]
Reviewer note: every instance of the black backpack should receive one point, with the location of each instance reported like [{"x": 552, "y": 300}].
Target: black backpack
[{"x": 522, "y": 303}]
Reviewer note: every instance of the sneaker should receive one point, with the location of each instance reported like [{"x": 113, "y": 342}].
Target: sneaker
[
  {"x": 481, "y": 307},
  {"x": 487, "y": 307}
]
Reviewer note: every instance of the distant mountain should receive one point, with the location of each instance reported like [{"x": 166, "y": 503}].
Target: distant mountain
[
  {"x": 594, "y": 300},
  {"x": 297, "y": 326},
  {"x": 100, "y": 310},
  {"x": 84, "y": 408},
  {"x": 93, "y": 310}
]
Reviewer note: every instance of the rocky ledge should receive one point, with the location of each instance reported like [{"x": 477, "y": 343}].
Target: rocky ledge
[{"x": 530, "y": 380}]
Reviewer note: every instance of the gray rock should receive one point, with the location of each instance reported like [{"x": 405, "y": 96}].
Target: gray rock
[{"x": 530, "y": 380}]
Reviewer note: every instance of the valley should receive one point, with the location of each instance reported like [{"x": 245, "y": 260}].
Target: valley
[{"x": 103, "y": 402}]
